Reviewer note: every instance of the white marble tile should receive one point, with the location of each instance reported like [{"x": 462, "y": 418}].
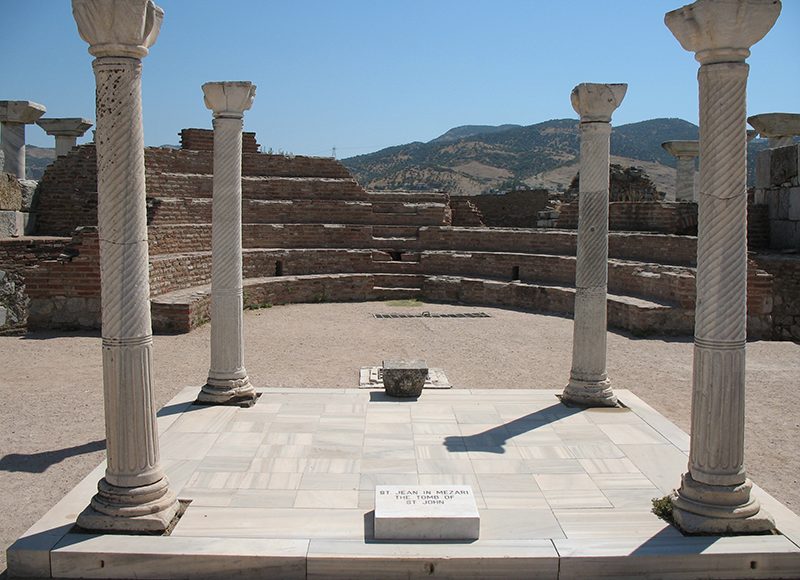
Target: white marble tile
[
  {"x": 330, "y": 481},
  {"x": 565, "y": 481},
  {"x": 388, "y": 466},
  {"x": 403, "y": 452},
  {"x": 500, "y": 466},
  {"x": 544, "y": 452},
  {"x": 444, "y": 466},
  {"x": 542, "y": 466},
  {"x": 511, "y": 524},
  {"x": 368, "y": 481},
  {"x": 110, "y": 556},
  {"x": 576, "y": 498},
  {"x": 325, "y": 498},
  {"x": 596, "y": 451},
  {"x": 496, "y": 499},
  {"x": 252, "y": 522},
  {"x": 278, "y": 450},
  {"x": 264, "y": 498},
  {"x": 333, "y": 465},
  {"x": 335, "y": 452},
  {"x": 609, "y": 524},
  {"x": 204, "y": 419},
  {"x": 305, "y": 438},
  {"x": 279, "y": 464},
  {"x": 390, "y": 429},
  {"x": 661, "y": 464},
  {"x": 483, "y": 559},
  {"x": 623, "y": 481},
  {"x": 639, "y": 434},
  {"x": 507, "y": 482},
  {"x": 180, "y": 445},
  {"x": 334, "y": 437},
  {"x": 593, "y": 466}
]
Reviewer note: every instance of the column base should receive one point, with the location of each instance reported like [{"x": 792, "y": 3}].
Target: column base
[
  {"x": 700, "y": 508},
  {"x": 146, "y": 509},
  {"x": 589, "y": 393},
  {"x": 228, "y": 392}
]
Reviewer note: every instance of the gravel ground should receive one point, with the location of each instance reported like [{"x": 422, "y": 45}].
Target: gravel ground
[{"x": 51, "y": 385}]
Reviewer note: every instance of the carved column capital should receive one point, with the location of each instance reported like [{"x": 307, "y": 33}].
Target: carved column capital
[
  {"x": 779, "y": 128},
  {"x": 595, "y": 102},
  {"x": 722, "y": 30},
  {"x": 680, "y": 149},
  {"x": 118, "y": 28},
  {"x": 229, "y": 99}
]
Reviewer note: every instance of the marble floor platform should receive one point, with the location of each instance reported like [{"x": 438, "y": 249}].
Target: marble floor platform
[{"x": 285, "y": 489}]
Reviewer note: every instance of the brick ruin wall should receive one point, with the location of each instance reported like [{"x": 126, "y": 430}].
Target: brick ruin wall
[
  {"x": 203, "y": 140},
  {"x": 640, "y": 216},
  {"x": 515, "y": 209},
  {"x": 70, "y": 284}
]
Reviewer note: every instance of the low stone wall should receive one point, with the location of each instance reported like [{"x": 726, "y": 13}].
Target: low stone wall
[
  {"x": 515, "y": 209},
  {"x": 65, "y": 292},
  {"x": 778, "y": 187},
  {"x": 785, "y": 271},
  {"x": 203, "y": 140},
  {"x": 16, "y": 256},
  {"x": 641, "y": 216}
]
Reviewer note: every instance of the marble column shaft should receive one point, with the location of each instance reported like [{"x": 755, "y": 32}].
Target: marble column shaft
[
  {"x": 14, "y": 115},
  {"x": 134, "y": 494},
  {"x": 227, "y": 377},
  {"x": 589, "y": 383},
  {"x": 13, "y": 136},
  {"x": 715, "y": 493},
  {"x": 684, "y": 179}
]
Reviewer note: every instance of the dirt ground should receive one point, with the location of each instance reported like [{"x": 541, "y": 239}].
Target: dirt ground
[{"x": 52, "y": 403}]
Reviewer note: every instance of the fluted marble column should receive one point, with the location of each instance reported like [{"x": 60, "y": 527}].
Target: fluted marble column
[
  {"x": 589, "y": 383},
  {"x": 227, "y": 381},
  {"x": 14, "y": 115},
  {"x": 134, "y": 495},
  {"x": 778, "y": 128},
  {"x": 714, "y": 496},
  {"x": 66, "y": 131},
  {"x": 685, "y": 152}
]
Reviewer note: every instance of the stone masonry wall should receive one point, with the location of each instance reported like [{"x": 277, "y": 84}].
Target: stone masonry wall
[
  {"x": 515, "y": 209},
  {"x": 640, "y": 216},
  {"x": 65, "y": 292},
  {"x": 785, "y": 270},
  {"x": 203, "y": 140},
  {"x": 778, "y": 187}
]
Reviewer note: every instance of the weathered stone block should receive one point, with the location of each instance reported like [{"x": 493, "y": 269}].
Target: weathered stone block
[
  {"x": 10, "y": 192},
  {"x": 783, "y": 235},
  {"x": 28, "y": 190},
  {"x": 783, "y": 164},
  {"x": 793, "y": 209},
  {"x": 404, "y": 378},
  {"x": 12, "y": 224},
  {"x": 762, "y": 169}
]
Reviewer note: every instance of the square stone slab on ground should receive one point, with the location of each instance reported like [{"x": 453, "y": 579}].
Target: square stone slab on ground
[
  {"x": 430, "y": 512},
  {"x": 372, "y": 378}
]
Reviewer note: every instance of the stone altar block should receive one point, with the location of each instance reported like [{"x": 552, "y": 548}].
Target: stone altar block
[
  {"x": 404, "y": 378},
  {"x": 429, "y": 512}
]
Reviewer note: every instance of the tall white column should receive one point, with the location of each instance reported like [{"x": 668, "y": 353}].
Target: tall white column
[
  {"x": 778, "y": 128},
  {"x": 714, "y": 496},
  {"x": 589, "y": 383},
  {"x": 66, "y": 131},
  {"x": 685, "y": 152},
  {"x": 134, "y": 495},
  {"x": 227, "y": 381},
  {"x": 14, "y": 115}
]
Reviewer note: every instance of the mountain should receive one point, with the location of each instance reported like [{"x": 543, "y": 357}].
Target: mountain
[
  {"x": 37, "y": 159},
  {"x": 469, "y": 131},
  {"x": 476, "y": 159}
]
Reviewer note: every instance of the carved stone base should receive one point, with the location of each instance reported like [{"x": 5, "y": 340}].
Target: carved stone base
[
  {"x": 589, "y": 393},
  {"x": 700, "y": 508},
  {"x": 228, "y": 392},
  {"x": 149, "y": 508}
]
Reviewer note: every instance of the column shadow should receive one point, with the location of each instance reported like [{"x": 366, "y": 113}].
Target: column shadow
[
  {"x": 494, "y": 440},
  {"x": 39, "y": 462}
]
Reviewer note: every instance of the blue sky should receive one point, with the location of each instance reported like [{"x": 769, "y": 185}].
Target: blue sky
[{"x": 361, "y": 75}]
